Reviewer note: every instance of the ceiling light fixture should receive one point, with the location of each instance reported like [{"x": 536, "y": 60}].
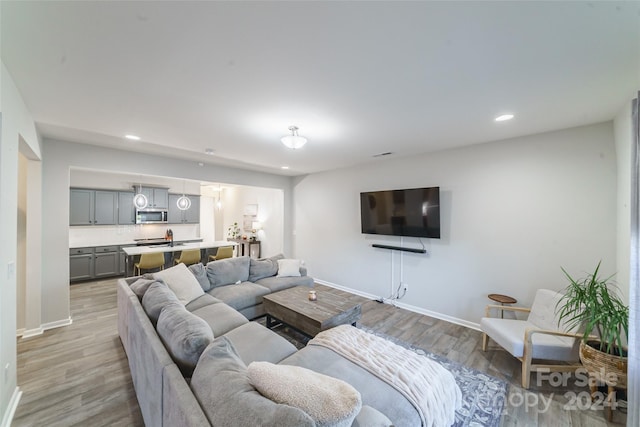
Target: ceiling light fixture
[
  {"x": 183, "y": 202},
  {"x": 284, "y": 167},
  {"x": 504, "y": 117},
  {"x": 293, "y": 141},
  {"x": 140, "y": 200},
  {"x": 132, "y": 137},
  {"x": 209, "y": 151}
]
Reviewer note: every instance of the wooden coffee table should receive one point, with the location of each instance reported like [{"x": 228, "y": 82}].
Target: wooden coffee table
[{"x": 293, "y": 308}]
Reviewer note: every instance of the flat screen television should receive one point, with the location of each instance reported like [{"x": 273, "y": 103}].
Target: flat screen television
[{"x": 413, "y": 212}]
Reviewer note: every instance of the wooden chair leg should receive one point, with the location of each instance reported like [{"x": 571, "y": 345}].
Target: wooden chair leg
[
  {"x": 526, "y": 374},
  {"x": 526, "y": 361},
  {"x": 485, "y": 339}
]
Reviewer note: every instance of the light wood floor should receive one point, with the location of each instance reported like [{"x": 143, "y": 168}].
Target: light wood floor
[{"x": 78, "y": 375}]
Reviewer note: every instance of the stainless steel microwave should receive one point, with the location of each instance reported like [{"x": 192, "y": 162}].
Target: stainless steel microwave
[{"x": 151, "y": 216}]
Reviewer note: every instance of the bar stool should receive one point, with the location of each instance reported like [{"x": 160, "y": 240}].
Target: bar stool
[
  {"x": 149, "y": 261},
  {"x": 188, "y": 257},
  {"x": 223, "y": 252}
]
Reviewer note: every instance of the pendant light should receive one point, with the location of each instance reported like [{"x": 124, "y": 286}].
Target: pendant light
[
  {"x": 293, "y": 141},
  {"x": 183, "y": 202},
  {"x": 140, "y": 201},
  {"x": 219, "y": 202}
]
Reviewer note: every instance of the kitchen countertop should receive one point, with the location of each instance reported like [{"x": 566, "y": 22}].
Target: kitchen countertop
[
  {"x": 139, "y": 250},
  {"x": 128, "y": 243}
]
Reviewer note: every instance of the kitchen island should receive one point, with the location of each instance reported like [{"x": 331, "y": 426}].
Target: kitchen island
[{"x": 133, "y": 253}]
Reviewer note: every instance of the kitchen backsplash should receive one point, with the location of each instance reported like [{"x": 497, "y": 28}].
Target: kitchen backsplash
[{"x": 125, "y": 234}]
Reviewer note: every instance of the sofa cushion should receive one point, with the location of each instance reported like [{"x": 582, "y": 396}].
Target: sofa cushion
[
  {"x": 261, "y": 268},
  {"x": 253, "y": 342},
  {"x": 276, "y": 283},
  {"x": 327, "y": 400},
  {"x": 201, "y": 301},
  {"x": 220, "y": 317},
  {"x": 228, "y": 271},
  {"x": 221, "y": 384},
  {"x": 182, "y": 282},
  {"x": 185, "y": 336},
  {"x": 244, "y": 295},
  {"x": 199, "y": 271},
  {"x": 140, "y": 286},
  {"x": 157, "y": 296},
  {"x": 371, "y": 417},
  {"x": 289, "y": 267}
]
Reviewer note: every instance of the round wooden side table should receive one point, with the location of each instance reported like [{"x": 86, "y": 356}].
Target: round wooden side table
[{"x": 502, "y": 299}]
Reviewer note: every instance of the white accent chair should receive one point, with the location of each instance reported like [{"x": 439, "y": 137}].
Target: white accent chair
[{"x": 538, "y": 337}]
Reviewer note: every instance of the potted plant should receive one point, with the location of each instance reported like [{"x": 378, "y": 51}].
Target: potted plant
[
  {"x": 233, "y": 232},
  {"x": 593, "y": 303}
]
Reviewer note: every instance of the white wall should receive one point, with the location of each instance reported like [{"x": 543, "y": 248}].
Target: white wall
[
  {"x": 60, "y": 157},
  {"x": 16, "y": 125},
  {"x": 513, "y": 212},
  {"x": 270, "y": 213},
  {"x": 623, "y": 130}
]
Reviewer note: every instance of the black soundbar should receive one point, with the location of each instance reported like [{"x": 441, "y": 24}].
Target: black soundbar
[{"x": 398, "y": 248}]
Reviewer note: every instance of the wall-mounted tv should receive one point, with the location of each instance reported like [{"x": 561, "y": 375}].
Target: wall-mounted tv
[{"x": 412, "y": 212}]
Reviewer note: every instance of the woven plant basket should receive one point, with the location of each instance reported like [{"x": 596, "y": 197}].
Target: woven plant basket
[{"x": 604, "y": 367}]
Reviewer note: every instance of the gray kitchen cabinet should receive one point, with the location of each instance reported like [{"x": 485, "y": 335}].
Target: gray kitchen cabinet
[
  {"x": 106, "y": 204},
  {"x": 177, "y": 216},
  {"x": 81, "y": 206},
  {"x": 192, "y": 215},
  {"x": 157, "y": 197},
  {"x": 92, "y": 207},
  {"x": 105, "y": 261},
  {"x": 126, "y": 210},
  {"x": 80, "y": 264}
]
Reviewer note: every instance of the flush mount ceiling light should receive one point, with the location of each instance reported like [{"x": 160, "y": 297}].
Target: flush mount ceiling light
[
  {"x": 293, "y": 141},
  {"x": 132, "y": 137},
  {"x": 504, "y": 117}
]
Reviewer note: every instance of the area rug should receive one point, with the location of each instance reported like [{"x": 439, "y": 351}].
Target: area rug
[{"x": 483, "y": 396}]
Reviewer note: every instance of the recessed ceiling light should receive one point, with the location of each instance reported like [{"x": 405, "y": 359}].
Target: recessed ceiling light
[
  {"x": 210, "y": 151},
  {"x": 132, "y": 137},
  {"x": 284, "y": 167},
  {"x": 504, "y": 117},
  {"x": 200, "y": 164}
]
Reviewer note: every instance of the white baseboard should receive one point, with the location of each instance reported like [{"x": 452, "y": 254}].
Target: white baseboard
[
  {"x": 11, "y": 408},
  {"x": 56, "y": 324},
  {"x": 419, "y": 310},
  {"x": 27, "y": 333}
]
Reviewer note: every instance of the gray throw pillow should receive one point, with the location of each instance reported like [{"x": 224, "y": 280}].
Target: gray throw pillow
[
  {"x": 221, "y": 384},
  {"x": 157, "y": 296},
  {"x": 265, "y": 267},
  {"x": 228, "y": 271},
  {"x": 200, "y": 272},
  {"x": 185, "y": 336}
]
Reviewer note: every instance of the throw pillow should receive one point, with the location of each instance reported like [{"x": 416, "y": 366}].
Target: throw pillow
[
  {"x": 200, "y": 273},
  {"x": 228, "y": 271},
  {"x": 289, "y": 267},
  {"x": 329, "y": 401},
  {"x": 157, "y": 296},
  {"x": 261, "y": 268},
  {"x": 185, "y": 336},
  {"x": 181, "y": 282}
]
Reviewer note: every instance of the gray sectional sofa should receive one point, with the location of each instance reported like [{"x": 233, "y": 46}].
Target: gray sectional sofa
[{"x": 189, "y": 349}]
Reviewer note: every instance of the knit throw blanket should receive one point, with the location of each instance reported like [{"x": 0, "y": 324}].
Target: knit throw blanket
[{"x": 430, "y": 388}]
